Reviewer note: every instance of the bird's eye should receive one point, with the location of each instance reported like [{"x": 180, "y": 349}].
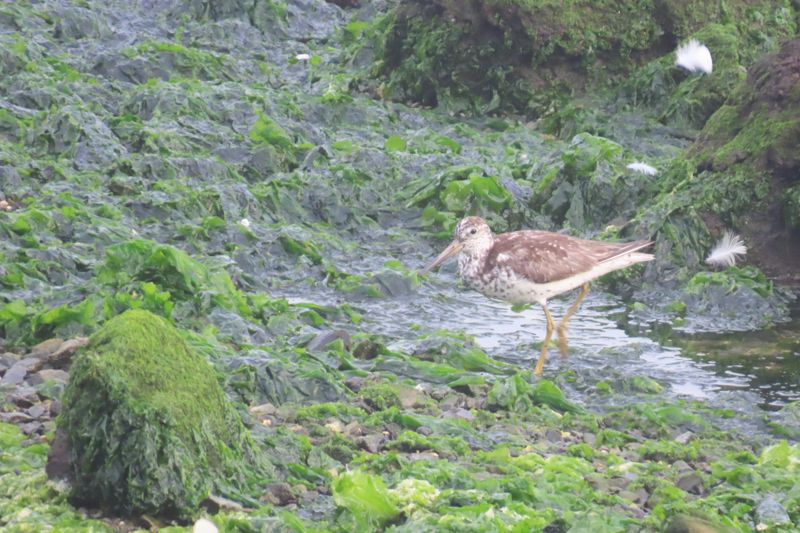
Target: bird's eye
[{"x": 473, "y": 231}]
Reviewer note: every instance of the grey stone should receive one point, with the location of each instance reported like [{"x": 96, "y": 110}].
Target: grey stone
[
  {"x": 280, "y": 494},
  {"x": 684, "y": 438},
  {"x": 770, "y": 511},
  {"x": 45, "y": 348},
  {"x": 15, "y": 375},
  {"x": 691, "y": 483},
  {"x": 49, "y": 374}
]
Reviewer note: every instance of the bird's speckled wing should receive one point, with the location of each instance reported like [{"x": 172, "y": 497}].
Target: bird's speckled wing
[{"x": 544, "y": 257}]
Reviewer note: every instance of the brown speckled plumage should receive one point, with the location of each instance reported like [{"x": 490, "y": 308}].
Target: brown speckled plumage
[{"x": 533, "y": 266}]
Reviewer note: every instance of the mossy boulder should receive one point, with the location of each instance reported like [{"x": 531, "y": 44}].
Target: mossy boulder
[
  {"x": 741, "y": 174},
  {"x": 529, "y": 55},
  {"x": 149, "y": 427}
]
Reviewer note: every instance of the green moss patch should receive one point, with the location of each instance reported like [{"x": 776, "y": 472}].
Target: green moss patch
[{"x": 149, "y": 426}]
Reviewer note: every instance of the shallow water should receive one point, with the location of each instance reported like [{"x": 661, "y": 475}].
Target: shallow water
[{"x": 760, "y": 368}]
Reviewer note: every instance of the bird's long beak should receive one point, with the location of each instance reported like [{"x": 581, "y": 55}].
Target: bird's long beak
[{"x": 448, "y": 252}]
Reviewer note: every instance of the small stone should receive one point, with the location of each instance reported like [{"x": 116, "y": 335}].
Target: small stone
[
  {"x": 684, "y": 438},
  {"x": 335, "y": 426},
  {"x": 280, "y": 494},
  {"x": 354, "y": 383},
  {"x": 63, "y": 355},
  {"x": 37, "y": 410},
  {"x": 23, "y": 396},
  {"x": 45, "y": 348},
  {"x": 681, "y": 466},
  {"x": 458, "y": 413},
  {"x": 692, "y": 483},
  {"x": 214, "y": 504},
  {"x": 770, "y": 511},
  {"x": 371, "y": 443},
  {"x": 16, "y": 374},
  {"x": 353, "y": 429},
  {"x": 31, "y": 428},
  {"x": 425, "y": 430},
  {"x": 589, "y": 438},
  {"x": 552, "y": 435},
  {"x": 49, "y": 374},
  {"x": 265, "y": 409},
  {"x": 15, "y": 417}
]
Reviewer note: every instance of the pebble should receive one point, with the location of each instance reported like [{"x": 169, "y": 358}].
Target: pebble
[
  {"x": 684, "y": 438},
  {"x": 49, "y": 374}
]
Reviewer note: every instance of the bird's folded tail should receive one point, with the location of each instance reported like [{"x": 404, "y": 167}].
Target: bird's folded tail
[{"x": 629, "y": 249}]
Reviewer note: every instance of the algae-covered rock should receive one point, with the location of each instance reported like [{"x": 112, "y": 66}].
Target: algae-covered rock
[
  {"x": 739, "y": 175},
  {"x": 149, "y": 426},
  {"x": 526, "y": 56}
]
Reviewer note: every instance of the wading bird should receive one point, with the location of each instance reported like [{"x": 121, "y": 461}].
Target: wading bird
[{"x": 526, "y": 267}]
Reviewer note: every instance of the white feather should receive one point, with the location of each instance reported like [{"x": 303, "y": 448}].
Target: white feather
[
  {"x": 644, "y": 168},
  {"x": 244, "y": 222},
  {"x": 726, "y": 251},
  {"x": 694, "y": 56},
  {"x": 302, "y": 57}
]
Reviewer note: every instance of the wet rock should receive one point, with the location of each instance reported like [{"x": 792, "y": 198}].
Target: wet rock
[
  {"x": 425, "y": 430},
  {"x": 691, "y": 483},
  {"x": 280, "y": 494},
  {"x": 684, "y": 438},
  {"x": 769, "y": 511},
  {"x": 681, "y": 466}
]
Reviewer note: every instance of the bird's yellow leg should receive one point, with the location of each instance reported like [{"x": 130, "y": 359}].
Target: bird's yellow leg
[
  {"x": 561, "y": 329},
  {"x": 546, "y": 343}
]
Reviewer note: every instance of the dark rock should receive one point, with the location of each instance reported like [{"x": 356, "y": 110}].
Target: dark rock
[
  {"x": 280, "y": 494},
  {"x": 692, "y": 483}
]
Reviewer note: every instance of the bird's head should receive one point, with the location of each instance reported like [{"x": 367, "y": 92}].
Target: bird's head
[{"x": 472, "y": 237}]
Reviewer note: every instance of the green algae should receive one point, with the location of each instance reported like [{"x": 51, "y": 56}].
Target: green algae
[{"x": 151, "y": 398}]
